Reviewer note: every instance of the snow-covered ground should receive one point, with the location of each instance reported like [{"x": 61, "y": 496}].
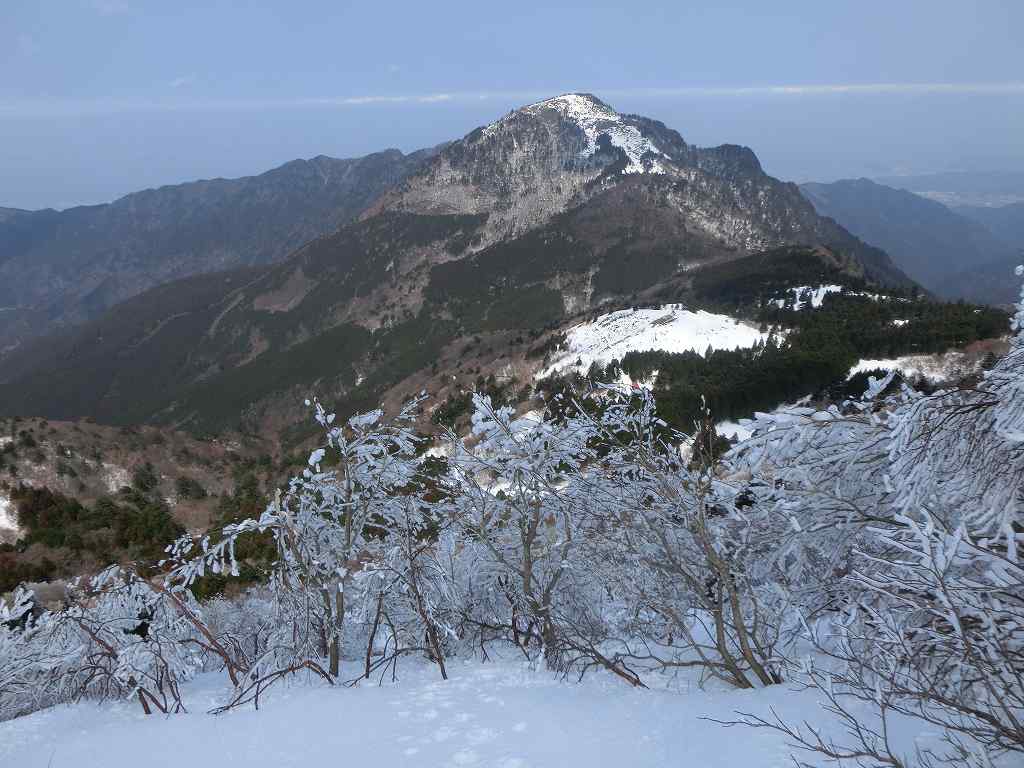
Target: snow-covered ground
[
  {"x": 670, "y": 328},
  {"x": 937, "y": 369},
  {"x": 502, "y": 715},
  {"x": 115, "y": 477},
  {"x": 8, "y": 525},
  {"x": 733, "y": 429}
]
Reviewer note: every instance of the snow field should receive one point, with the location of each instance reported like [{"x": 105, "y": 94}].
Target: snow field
[
  {"x": 670, "y": 328},
  {"x": 500, "y": 715}
]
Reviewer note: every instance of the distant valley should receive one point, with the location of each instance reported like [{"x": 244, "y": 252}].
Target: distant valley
[
  {"x": 964, "y": 188},
  {"x": 961, "y": 253}
]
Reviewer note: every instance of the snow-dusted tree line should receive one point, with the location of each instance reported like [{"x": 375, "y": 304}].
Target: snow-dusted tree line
[{"x": 871, "y": 551}]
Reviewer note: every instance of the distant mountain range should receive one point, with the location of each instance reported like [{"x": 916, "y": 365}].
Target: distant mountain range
[
  {"x": 957, "y": 188},
  {"x": 60, "y": 268},
  {"x": 10, "y": 213},
  {"x": 964, "y": 253},
  {"x": 557, "y": 208},
  {"x": 1005, "y": 222},
  {"x": 925, "y": 238}
]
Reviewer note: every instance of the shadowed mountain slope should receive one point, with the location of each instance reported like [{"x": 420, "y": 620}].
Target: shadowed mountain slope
[{"x": 59, "y": 268}]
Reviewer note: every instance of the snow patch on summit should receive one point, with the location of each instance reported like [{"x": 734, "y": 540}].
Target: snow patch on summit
[
  {"x": 596, "y": 119},
  {"x": 670, "y": 328}
]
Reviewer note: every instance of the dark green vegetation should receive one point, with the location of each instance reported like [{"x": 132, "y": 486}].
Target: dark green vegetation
[
  {"x": 63, "y": 535},
  {"x": 132, "y": 525},
  {"x": 189, "y": 488},
  {"x": 227, "y": 351},
  {"x": 184, "y": 352},
  {"x": 744, "y": 286},
  {"x": 254, "y": 551},
  {"x": 817, "y": 349},
  {"x": 815, "y": 356}
]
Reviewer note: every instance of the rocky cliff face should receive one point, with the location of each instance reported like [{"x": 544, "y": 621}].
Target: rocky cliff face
[
  {"x": 59, "y": 268},
  {"x": 557, "y": 155},
  {"x": 524, "y": 168}
]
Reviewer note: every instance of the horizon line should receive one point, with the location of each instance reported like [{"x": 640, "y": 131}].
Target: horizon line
[{"x": 28, "y": 109}]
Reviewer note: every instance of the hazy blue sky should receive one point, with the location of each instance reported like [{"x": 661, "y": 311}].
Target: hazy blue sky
[{"x": 102, "y": 97}]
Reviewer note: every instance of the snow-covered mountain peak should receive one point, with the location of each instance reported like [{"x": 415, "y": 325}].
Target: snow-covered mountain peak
[
  {"x": 596, "y": 120},
  {"x": 577, "y": 107}
]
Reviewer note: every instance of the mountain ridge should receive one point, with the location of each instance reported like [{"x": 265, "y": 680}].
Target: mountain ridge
[
  {"x": 60, "y": 268},
  {"x": 935, "y": 245},
  {"x": 515, "y": 227}
]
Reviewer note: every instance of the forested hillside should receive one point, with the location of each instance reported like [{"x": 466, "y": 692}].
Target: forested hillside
[
  {"x": 812, "y": 347},
  {"x": 62, "y": 268}
]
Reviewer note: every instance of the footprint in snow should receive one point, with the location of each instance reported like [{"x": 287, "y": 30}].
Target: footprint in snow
[
  {"x": 481, "y": 735},
  {"x": 465, "y": 757}
]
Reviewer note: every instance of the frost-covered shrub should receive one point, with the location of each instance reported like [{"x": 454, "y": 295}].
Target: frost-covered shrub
[
  {"x": 119, "y": 637},
  {"x": 332, "y": 529},
  {"x": 871, "y": 549},
  {"x": 919, "y": 501},
  {"x": 591, "y": 540}
]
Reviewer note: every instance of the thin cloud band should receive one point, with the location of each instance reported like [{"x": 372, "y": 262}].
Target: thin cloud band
[{"x": 33, "y": 109}]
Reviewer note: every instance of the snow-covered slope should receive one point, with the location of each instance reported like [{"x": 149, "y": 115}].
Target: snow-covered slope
[
  {"x": 499, "y": 715},
  {"x": 669, "y": 328},
  {"x": 937, "y": 369}
]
